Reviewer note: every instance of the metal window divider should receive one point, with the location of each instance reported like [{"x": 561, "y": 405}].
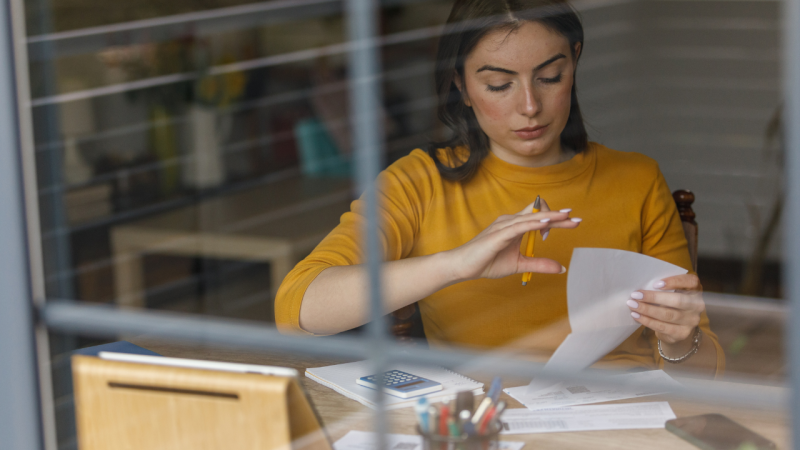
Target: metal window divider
[
  {"x": 791, "y": 87},
  {"x": 366, "y": 118}
]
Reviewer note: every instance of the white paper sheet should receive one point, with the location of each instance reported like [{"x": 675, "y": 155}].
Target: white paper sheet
[
  {"x": 364, "y": 440},
  {"x": 638, "y": 384},
  {"x": 627, "y": 416},
  {"x": 599, "y": 283}
]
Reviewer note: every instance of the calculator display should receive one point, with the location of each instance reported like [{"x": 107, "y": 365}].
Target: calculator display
[{"x": 411, "y": 384}]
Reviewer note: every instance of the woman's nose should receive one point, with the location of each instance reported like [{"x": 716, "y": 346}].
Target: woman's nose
[{"x": 529, "y": 103}]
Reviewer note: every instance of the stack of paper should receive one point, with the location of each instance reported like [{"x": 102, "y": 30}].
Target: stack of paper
[
  {"x": 599, "y": 283},
  {"x": 628, "y": 416},
  {"x": 342, "y": 379},
  {"x": 639, "y": 384}
]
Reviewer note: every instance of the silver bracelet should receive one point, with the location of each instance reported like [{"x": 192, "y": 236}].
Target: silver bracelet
[{"x": 695, "y": 346}]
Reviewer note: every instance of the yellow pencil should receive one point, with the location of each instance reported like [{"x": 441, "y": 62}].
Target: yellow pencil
[{"x": 531, "y": 241}]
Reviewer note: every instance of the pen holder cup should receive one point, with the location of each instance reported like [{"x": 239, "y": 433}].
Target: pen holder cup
[{"x": 488, "y": 441}]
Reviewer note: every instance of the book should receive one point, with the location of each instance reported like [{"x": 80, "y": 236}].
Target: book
[{"x": 342, "y": 379}]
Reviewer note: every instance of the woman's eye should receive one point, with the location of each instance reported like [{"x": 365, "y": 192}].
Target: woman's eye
[
  {"x": 553, "y": 80},
  {"x": 491, "y": 88}
]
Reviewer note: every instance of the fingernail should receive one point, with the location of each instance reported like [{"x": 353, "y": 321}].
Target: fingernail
[
  {"x": 637, "y": 295},
  {"x": 576, "y": 219},
  {"x": 566, "y": 210},
  {"x": 635, "y": 315},
  {"x": 544, "y": 236},
  {"x": 659, "y": 284},
  {"x": 563, "y": 269},
  {"x": 545, "y": 220},
  {"x": 632, "y": 304}
]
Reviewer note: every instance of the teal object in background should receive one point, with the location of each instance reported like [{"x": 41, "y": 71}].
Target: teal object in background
[{"x": 319, "y": 155}]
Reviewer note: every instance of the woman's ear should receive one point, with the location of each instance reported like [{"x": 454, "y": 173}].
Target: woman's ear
[
  {"x": 461, "y": 88},
  {"x": 577, "y": 50}
]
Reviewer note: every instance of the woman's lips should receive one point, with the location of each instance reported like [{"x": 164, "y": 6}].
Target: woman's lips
[{"x": 531, "y": 132}]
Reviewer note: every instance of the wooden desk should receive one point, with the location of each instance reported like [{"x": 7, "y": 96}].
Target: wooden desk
[
  {"x": 340, "y": 414},
  {"x": 277, "y": 223}
]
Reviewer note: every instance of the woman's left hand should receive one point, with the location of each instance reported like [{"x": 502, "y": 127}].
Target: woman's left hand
[{"x": 672, "y": 315}]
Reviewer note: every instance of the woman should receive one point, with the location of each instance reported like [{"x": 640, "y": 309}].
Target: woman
[{"x": 453, "y": 218}]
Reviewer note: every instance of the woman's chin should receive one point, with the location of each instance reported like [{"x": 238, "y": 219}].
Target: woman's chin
[{"x": 535, "y": 149}]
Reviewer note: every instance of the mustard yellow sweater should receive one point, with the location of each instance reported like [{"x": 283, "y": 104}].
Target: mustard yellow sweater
[{"x": 622, "y": 197}]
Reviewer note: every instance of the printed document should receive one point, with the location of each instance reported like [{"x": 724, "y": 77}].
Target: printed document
[
  {"x": 638, "y": 384},
  {"x": 599, "y": 283},
  {"x": 364, "y": 440},
  {"x": 629, "y": 416}
]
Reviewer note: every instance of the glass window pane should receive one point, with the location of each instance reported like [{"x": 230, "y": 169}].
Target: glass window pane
[{"x": 201, "y": 160}]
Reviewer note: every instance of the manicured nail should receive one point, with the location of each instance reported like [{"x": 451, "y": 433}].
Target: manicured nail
[
  {"x": 563, "y": 269},
  {"x": 637, "y": 295},
  {"x": 632, "y": 304},
  {"x": 635, "y": 315},
  {"x": 576, "y": 219},
  {"x": 566, "y": 210},
  {"x": 545, "y": 220},
  {"x": 544, "y": 236},
  {"x": 659, "y": 284}
]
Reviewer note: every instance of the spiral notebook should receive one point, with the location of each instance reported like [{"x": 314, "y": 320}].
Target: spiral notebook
[{"x": 342, "y": 379}]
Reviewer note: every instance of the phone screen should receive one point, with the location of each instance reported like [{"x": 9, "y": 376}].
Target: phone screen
[{"x": 717, "y": 432}]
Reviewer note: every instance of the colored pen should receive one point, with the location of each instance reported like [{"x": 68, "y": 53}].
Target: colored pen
[
  {"x": 482, "y": 408},
  {"x": 486, "y": 419},
  {"x": 452, "y": 425},
  {"x": 444, "y": 414},
  {"x": 495, "y": 389},
  {"x": 498, "y": 411},
  {"x": 433, "y": 419},
  {"x": 465, "y": 400},
  {"x": 465, "y": 423},
  {"x": 421, "y": 408},
  {"x": 469, "y": 428},
  {"x": 531, "y": 241}
]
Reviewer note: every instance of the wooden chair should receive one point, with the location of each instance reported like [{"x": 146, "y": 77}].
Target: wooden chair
[{"x": 407, "y": 323}]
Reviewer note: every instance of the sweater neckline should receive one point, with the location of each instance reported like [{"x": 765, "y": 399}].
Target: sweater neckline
[{"x": 542, "y": 175}]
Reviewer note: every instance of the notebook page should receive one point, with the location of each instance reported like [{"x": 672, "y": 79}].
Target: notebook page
[{"x": 342, "y": 378}]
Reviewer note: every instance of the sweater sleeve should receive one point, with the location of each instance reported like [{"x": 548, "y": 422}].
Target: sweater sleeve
[
  {"x": 404, "y": 191},
  {"x": 663, "y": 238}
]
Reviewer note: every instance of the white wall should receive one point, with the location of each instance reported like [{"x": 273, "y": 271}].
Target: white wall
[{"x": 693, "y": 84}]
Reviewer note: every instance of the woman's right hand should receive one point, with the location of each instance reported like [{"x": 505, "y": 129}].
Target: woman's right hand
[{"x": 495, "y": 251}]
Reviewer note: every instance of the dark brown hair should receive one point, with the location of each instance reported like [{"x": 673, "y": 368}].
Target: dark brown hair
[{"x": 469, "y": 21}]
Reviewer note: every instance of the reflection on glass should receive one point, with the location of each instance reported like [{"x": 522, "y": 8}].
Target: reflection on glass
[
  {"x": 456, "y": 216},
  {"x": 198, "y": 159}
]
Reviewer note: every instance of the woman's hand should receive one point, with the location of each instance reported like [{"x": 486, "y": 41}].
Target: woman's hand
[
  {"x": 672, "y": 315},
  {"x": 495, "y": 251}
]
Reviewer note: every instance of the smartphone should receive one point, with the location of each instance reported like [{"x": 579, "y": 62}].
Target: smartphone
[{"x": 717, "y": 432}]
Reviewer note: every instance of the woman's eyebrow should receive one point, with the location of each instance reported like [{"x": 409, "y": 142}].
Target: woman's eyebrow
[
  {"x": 496, "y": 69},
  {"x": 549, "y": 61},
  {"x": 511, "y": 72}
]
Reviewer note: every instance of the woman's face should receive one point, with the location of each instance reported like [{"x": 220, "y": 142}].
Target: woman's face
[{"x": 519, "y": 84}]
